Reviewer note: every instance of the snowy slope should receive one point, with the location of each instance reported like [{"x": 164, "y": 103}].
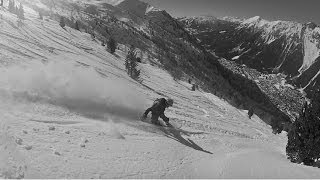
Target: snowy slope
[{"x": 69, "y": 110}]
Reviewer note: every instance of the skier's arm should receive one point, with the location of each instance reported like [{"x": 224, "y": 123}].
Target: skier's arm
[
  {"x": 150, "y": 109},
  {"x": 147, "y": 112}
]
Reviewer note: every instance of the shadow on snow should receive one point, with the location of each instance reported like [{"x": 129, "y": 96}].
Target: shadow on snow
[
  {"x": 175, "y": 134},
  {"x": 172, "y": 133}
]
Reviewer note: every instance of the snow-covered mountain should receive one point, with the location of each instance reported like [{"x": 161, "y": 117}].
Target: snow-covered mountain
[
  {"x": 69, "y": 110},
  {"x": 164, "y": 41},
  {"x": 268, "y": 46},
  {"x": 137, "y": 7}
]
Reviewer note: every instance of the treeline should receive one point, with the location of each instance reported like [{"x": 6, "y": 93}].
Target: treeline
[
  {"x": 304, "y": 135},
  {"x": 15, "y": 9}
]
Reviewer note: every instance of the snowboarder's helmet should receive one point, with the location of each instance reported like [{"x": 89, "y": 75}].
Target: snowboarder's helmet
[{"x": 169, "y": 102}]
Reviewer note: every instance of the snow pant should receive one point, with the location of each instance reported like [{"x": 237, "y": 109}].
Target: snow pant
[{"x": 155, "y": 119}]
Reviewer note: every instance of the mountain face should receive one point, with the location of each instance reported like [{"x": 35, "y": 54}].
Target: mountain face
[
  {"x": 68, "y": 108},
  {"x": 177, "y": 47},
  {"x": 268, "y": 46},
  {"x": 136, "y": 7},
  {"x": 180, "y": 49}
]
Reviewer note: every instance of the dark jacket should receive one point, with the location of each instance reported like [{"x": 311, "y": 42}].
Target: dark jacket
[{"x": 157, "y": 109}]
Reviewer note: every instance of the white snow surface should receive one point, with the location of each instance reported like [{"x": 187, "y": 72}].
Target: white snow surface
[
  {"x": 231, "y": 19},
  {"x": 312, "y": 48},
  {"x": 69, "y": 110}
]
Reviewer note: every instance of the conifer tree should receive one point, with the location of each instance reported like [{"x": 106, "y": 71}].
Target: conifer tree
[
  {"x": 16, "y": 10},
  {"x": 11, "y": 6},
  {"x": 20, "y": 12},
  {"x": 304, "y": 136},
  {"x": 62, "y": 23},
  {"x": 112, "y": 46},
  {"x": 131, "y": 64},
  {"x": 77, "y": 26},
  {"x": 40, "y": 15}
]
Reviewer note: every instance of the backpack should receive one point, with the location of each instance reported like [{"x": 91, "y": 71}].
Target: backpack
[{"x": 159, "y": 101}]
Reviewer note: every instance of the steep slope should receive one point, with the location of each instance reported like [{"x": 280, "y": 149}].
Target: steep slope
[
  {"x": 162, "y": 40},
  {"x": 268, "y": 46},
  {"x": 68, "y": 110}
]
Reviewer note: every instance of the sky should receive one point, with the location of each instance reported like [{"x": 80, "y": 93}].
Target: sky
[{"x": 291, "y": 10}]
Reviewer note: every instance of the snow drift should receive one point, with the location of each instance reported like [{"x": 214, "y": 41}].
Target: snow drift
[
  {"x": 12, "y": 163},
  {"x": 77, "y": 88}
]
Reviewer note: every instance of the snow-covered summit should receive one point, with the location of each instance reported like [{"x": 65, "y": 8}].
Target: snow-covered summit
[
  {"x": 205, "y": 18},
  {"x": 199, "y": 19},
  {"x": 135, "y": 6},
  {"x": 270, "y": 26},
  {"x": 311, "y": 25},
  {"x": 231, "y": 19},
  {"x": 202, "y": 22},
  {"x": 254, "y": 19}
]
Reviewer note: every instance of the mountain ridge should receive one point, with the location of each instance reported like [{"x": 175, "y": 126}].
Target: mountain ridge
[{"x": 288, "y": 47}]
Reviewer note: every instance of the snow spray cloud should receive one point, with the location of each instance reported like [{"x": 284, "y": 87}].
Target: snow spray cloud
[{"x": 77, "y": 88}]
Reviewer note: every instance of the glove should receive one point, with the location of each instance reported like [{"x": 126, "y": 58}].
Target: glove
[{"x": 167, "y": 121}]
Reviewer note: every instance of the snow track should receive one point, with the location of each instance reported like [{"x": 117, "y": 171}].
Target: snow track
[{"x": 70, "y": 111}]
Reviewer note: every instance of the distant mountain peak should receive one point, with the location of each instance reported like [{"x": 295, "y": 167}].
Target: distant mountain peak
[
  {"x": 135, "y": 6},
  {"x": 199, "y": 19},
  {"x": 311, "y": 25},
  {"x": 254, "y": 20},
  {"x": 208, "y": 17},
  {"x": 231, "y": 19}
]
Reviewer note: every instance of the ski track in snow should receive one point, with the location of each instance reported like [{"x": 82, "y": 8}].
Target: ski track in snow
[{"x": 66, "y": 118}]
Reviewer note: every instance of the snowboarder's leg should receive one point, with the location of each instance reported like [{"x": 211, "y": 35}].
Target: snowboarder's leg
[
  {"x": 154, "y": 119},
  {"x": 165, "y": 119}
]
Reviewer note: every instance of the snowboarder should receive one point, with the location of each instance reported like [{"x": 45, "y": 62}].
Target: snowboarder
[{"x": 157, "y": 109}]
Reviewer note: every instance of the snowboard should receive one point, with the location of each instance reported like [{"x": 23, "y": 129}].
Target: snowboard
[{"x": 172, "y": 124}]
